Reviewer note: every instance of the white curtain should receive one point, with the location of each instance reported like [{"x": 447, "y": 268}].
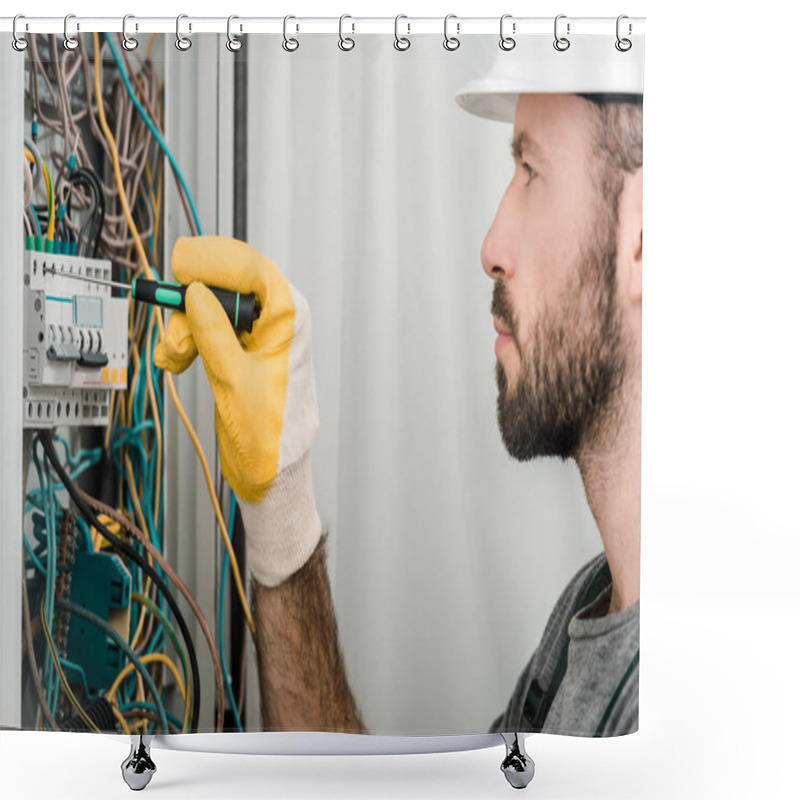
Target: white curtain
[{"x": 372, "y": 190}]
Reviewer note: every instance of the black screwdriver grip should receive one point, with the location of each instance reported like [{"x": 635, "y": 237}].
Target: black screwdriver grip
[{"x": 240, "y": 308}]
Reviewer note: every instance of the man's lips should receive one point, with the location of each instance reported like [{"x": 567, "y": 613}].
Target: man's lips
[{"x": 501, "y": 329}]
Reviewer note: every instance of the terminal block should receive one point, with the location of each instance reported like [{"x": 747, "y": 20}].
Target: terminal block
[{"x": 75, "y": 345}]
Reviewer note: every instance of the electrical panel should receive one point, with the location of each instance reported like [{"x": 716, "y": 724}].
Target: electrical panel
[{"x": 75, "y": 341}]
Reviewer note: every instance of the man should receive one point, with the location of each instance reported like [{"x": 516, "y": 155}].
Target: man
[{"x": 564, "y": 253}]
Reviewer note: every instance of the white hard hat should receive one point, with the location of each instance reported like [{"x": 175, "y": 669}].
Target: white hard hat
[{"x": 592, "y": 66}]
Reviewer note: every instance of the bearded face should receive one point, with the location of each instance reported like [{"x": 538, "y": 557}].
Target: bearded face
[{"x": 571, "y": 358}]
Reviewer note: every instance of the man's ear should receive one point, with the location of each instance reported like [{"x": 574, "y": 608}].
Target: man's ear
[{"x": 630, "y": 238}]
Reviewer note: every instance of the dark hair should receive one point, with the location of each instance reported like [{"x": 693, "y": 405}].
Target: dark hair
[{"x": 619, "y": 133}]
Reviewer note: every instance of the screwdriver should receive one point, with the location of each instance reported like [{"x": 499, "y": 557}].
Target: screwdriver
[{"x": 240, "y": 308}]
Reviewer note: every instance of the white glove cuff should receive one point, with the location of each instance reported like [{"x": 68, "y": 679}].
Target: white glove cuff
[{"x": 283, "y": 530}]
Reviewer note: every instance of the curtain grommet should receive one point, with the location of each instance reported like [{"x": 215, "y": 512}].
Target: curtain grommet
[
  {"x": 451, "y": 43},
  {"x": 507, "y": 42},
  {"x": 623, "y": 44},
  {"x": 129, "y": 43},
  {"x": 70, "y": 42},
  {"x": 401, "y": 43},
  {"x": 561, "y": 43},
  {"x": 346, "y": 43},
  {"x": 18, "y": 42},
  {"x": 234, "y": 43},
  {"x": 289, "y": 44},
  {"x": 183, "y": 43}
]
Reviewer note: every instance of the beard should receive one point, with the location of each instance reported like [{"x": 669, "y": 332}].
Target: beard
[{"x": 572, "y": 361}]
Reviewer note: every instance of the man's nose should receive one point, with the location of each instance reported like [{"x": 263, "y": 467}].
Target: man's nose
[{"x": 496, "y": 253}]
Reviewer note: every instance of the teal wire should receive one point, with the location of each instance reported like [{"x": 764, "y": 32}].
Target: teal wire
[
  {"x": 48, "y": 669},
  {"x": 98, "y": 622},
  {"x": 221, "y": 618},
  {"x": 36, "y": 219},
  {"x": 36, "y": 562},
  {"x": 156, "y": 135},
  {"x": 150, "y": 707}
]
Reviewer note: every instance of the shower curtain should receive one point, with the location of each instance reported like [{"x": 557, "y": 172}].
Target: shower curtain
[{"x": 420, "y": 514}]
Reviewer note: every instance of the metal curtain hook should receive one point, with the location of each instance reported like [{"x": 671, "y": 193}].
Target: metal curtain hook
[
  {"x": 19, "y": 43},
  {"x": 129, "y": 42},
  {"x": 182, "y": 42},
  {"x": 233, "y": 44},
  {"x": 507, "y": 42},
  {"x": 451, "y": 42},
  {"x": 346, "y": 42},
  {"x": 561, "y": 43},
  {"x": 623, "y": 45},
  {"x": 70, "y": 42},
  {"x": 290, "y": 44},
  {"x": 401, "y": 42}
]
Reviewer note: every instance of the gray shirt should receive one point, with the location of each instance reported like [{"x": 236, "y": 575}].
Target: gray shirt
[{"x": 599, "y": 691}]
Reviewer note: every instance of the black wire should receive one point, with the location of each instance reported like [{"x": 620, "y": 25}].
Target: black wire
[
  {"x": 91, "y": 518},
  {"x": 93, "y": 227},
  {"x": 91, "y": 175}
]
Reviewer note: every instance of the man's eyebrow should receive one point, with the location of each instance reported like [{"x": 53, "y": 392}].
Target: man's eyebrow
[{"x": 524, "y": 142}]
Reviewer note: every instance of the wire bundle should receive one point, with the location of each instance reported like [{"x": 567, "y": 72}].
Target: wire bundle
[{"x": 119, "y": 220}]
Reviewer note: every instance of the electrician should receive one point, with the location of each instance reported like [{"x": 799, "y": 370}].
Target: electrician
[{"x": 564, "y": 254}]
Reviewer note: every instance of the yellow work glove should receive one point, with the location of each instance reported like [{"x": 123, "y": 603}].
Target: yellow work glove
[{"x": 264, "y": 392}]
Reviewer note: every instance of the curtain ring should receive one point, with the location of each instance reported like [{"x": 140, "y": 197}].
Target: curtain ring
[
  {"x": 18, "y": 42},
  {"x": 290, "y": 44},
  {"x": 129, "y": 42},
  {"x": 623, "y": 45},
  {"x": 561, "y": 43},
  {"x": 346, "y": 42},
  {"x": 401, "y": 42},
  {"x": 70, "y": 42},
  {"x": 451, "y": 42},
  {"x": 182, "y": 42},
  {"x": 507, "y": 42},
  {"x": 234, "y": 44}
]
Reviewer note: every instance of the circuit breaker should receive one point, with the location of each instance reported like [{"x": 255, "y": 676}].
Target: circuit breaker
[{"x": 75, "y": 345}]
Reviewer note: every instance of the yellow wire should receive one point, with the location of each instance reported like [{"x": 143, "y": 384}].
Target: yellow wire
[
  {"x": 170, "y": 383},
  {"x": 137, "y": 507},
  {"x": 187, "y": 704},
  {"x": 146, "y": 659},
  {"x": 121, "y": 720},
  {"x": 51, "y": 215},
  {"x": 151, "y": 393},
  {"x": 57, "y": 664},
  {"x": 51, "y": 223}
]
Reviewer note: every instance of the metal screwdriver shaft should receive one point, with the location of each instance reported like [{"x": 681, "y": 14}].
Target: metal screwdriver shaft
[{"x": 240, "y": 308}]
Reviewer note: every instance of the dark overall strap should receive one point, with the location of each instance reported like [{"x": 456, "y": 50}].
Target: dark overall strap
[
  {"x": 539, "y": 700},
  {"x": 601, "y": 728}
]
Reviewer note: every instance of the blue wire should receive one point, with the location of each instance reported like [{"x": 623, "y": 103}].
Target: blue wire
[
  {"x": 221, "y": 617},
  {"x": 153, "y": 130}
]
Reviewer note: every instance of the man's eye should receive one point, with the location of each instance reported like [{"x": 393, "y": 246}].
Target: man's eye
[{"x": 528, "y": 171}]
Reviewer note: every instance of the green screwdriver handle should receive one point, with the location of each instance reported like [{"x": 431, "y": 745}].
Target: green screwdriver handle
[{"x": 240, "y": 308}]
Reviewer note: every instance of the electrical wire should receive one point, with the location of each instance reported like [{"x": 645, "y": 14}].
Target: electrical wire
[
  {"x": 149, "y": 123},
  {"x": 181, "y": 586},
  {"x": 34, "y": 667},
  {"x": 156, "y": 611},
  {"x": 100, "y": 623},
  {"x": 76, "y": 494},
  {"x": 54, "y": 656},
  {"x": 221, "y": 622},
  {"x": 170, "y": 383}
]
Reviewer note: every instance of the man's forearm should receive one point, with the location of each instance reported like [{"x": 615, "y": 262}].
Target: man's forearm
[{"x": 301, "y": 669}]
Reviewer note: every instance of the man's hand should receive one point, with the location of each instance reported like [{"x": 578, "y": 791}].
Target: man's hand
[{"x": 264, "y": 392}]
